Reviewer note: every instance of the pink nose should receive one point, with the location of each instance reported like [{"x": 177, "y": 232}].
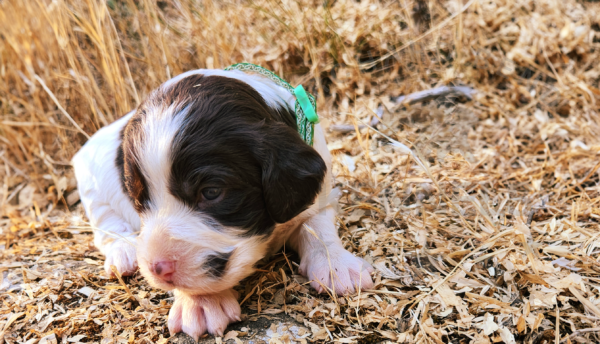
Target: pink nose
[{"x": 164, "y": 269}]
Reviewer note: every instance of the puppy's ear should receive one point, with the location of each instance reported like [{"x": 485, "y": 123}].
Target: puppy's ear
[{"x": 292, "y": 171}]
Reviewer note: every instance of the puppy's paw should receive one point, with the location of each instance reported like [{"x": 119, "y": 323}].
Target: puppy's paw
[
  {"x": 197, "y": 314},
  {"x": 340, "y": 271},
  {"x": 121, "y": 254}
]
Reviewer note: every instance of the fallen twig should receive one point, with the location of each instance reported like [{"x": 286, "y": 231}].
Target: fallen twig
[
  {"x": 580, "y": 332},
  {"x": 434, "y": 93},
  {"x": 410, "y": 99}
]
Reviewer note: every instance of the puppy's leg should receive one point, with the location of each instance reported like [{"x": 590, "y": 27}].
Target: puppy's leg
[
  {"x": 323, "y": 257},
  {"x": 325, "y": 261},
  {"x": 197, "y": 314},
  {"x": 106, "y": 205},
  {"x": 115, "y": 238}
]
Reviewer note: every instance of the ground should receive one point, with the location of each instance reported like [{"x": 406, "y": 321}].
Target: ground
[{"x": 485, "y": 231}]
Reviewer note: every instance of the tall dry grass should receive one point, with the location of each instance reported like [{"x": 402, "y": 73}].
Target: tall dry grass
[{"x": 71, "y": 67}]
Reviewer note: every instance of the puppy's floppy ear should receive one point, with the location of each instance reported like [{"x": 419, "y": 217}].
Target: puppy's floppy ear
[{"x": 292, "y": 171}]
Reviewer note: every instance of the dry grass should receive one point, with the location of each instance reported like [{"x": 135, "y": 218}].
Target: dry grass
[{"x": 497, "y": 240}]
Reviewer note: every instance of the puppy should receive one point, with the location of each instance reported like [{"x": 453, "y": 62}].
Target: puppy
[{"x": 205, "y": 178}]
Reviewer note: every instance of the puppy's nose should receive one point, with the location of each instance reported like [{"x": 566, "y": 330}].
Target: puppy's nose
[{"x": 164, "y": 269}]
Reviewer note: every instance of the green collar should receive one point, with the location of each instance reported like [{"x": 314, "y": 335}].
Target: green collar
[{"x": 305, "y": 108}]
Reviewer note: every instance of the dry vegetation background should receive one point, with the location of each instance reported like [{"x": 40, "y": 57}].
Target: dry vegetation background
[{"x": 497, "y": 240}]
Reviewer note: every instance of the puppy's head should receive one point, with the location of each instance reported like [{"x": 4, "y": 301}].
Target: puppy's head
[{"x": 211, "y": 165}]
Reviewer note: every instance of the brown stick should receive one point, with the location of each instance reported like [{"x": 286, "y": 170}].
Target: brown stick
[{"x": 413, "y": 98}]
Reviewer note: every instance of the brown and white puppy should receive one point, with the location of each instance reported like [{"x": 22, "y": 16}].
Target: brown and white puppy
[{"x": 205, "y": 178}]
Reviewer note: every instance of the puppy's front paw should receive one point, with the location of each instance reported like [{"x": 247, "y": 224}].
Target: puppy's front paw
[
  {"x": 197, "y": 314},
  {"x": 121, "y": 254},
  {"x": 340, "y": 271}
]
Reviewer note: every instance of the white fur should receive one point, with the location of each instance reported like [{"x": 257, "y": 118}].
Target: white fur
[
  {"x": 161, "y": 125},
  {"x": 171, "y": 231},
  {"x": 108, "y": 208},
  {"x": 197, "y": 314},
  {"x": 273, "y": 94}
]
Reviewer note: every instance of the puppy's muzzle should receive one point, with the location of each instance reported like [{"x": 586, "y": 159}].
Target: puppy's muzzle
[{"x": 163, "y": 269}]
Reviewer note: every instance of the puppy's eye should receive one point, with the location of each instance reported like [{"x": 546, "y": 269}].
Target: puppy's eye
[{"x": 210, "y": 194}]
